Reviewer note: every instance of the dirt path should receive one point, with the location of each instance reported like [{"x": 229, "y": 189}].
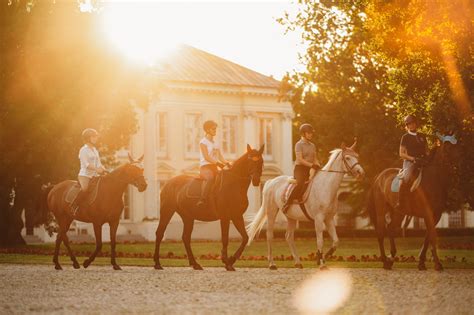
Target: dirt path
[{"x": 41, "y": 289}]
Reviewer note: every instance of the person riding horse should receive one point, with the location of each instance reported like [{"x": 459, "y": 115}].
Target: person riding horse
[
  {"x": 413, "y": 149},
  {"x": 210, "y": 158},
  {"x": 306, "y": 159},
  {"x": 91, "y": 166}
]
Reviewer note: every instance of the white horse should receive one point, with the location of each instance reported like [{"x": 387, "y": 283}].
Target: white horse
[{"x": 321, "y": 204}]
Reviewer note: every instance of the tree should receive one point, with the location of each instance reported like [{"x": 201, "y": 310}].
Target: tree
[
  {"x": 57, "y": 77},
  {"x": 369, "y": 63}
]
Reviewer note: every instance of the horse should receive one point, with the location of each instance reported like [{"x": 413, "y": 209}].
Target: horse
[
  {"x": 230, "y": 193},
  {"x": 320, "y": 206},
  {"x": 427, "y": 201},
  {"x": 106, "y": 208}
]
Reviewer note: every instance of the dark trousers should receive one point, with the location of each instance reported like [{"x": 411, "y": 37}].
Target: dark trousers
[
  {"x": 208, "y": 173},
  {"x": 301, "y": 174}
]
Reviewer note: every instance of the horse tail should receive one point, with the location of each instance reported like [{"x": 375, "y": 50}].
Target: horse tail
[
  {"x": 42, "y": 210},
  {"x": 371, "y": 209},
  {"x": 254, "y": 227}
]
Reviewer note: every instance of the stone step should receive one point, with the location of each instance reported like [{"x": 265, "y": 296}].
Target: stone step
[{"x": 32, "y": 239}]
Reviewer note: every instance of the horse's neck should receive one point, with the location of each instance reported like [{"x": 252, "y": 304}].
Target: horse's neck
[
  {"x": 114, "y": 183},
  {"x": 327, "y": 184},
  {"x": 436, "y": 174}
]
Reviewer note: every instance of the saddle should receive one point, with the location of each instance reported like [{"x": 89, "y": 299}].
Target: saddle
[
  {"x": 91, "y": 196},
  {"x": 193, "y": 188},
  {"x": 395, "y": 187},
  {"x": 289, "y": 189}
]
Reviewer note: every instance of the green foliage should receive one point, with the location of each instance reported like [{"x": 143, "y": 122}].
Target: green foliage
[
  {"x": 369, "y": 63},
  {"x": 57, "y": 77}
]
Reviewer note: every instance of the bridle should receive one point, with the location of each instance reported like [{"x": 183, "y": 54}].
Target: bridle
[{"x": 349, "y": 168}]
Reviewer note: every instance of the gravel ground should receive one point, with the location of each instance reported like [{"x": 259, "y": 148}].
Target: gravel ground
[{"x": 139, "y": 290}]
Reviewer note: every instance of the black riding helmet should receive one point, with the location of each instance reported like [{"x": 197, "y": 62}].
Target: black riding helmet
[
  {"x": 410, "y": 119},
  {"x": 209, "y": 124},
  {"x": 306, "y": 128}
]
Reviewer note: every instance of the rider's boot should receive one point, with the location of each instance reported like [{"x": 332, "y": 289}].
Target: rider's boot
[
  {"x": 77, "y": 202},
  {"x": 402, "y": 206},
  {"x": 206, "y": 188}
]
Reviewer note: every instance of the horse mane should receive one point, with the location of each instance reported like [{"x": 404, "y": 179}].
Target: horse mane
[
  {"x": 241, "y": 159},
  {"x": 332, "y": 158}
]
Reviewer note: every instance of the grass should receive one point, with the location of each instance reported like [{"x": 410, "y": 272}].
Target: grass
[{"x": 348, "y": 247}]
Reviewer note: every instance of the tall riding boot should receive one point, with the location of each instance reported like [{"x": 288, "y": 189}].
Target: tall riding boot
[
  {"x": 205, "y": 192},
  {"x": 77, "y": 202},
  {"x": 402, "y": 198},
  {"x": 295, "y": 194}
]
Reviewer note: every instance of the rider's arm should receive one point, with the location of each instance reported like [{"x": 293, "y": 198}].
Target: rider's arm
[
  {"x": 221, "y": 158},
  {"x": 404, "y": 155},
  {"x": 316, "y": 161},
  {"x": 205, "y": 153},
  {"x": 300, "y": 160}
]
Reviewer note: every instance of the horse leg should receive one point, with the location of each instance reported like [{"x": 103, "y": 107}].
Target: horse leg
[
  {"x": 65, "y": 239},
  {"x": 113, "y": 233},
  {"x": 165, "y": 218},
  {"x": 331, "y": 228},
  {"x": 424, "y": 249},
  {"x": 240, "y": 226},
  {"x": 431, "y": 229},
  {"x": 225, "y": 222},
  {"x": 59, "y": 239},
  {"x": 187, "y": 230},
  {"x": 270, "y": 225},
  {"x": 319, "y": 227},
  {"x": 290, "y": 238},
  {"x": 98, "y": 244},
  {"x": 397, "y": 219}
]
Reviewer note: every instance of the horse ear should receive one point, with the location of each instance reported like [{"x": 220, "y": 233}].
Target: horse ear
[
  {"x": 141, "y": 158},
  {"x": 130, "y": 158},
  {"x": 261, "y": 149},
  {"x": 354, "y": 144},
  {"x": 249, "y": 148}
]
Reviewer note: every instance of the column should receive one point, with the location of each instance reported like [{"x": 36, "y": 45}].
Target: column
[
  {"x": 151, "y": 207},
  {"x": 287, "y": 143},
  {"x": 251, "y": 138},
  {"x": 137, "y": 147}
]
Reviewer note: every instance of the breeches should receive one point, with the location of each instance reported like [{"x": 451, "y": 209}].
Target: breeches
[{"x": 84, "y": 182}]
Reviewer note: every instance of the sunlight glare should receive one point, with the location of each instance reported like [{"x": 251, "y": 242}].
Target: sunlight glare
[{"x": 323, "y": 292}]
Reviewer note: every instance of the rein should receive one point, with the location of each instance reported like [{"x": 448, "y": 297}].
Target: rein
[{"x": 348, "y": 167}]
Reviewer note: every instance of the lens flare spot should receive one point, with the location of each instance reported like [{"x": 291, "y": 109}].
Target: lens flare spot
[{"x": 323, "y": 292}]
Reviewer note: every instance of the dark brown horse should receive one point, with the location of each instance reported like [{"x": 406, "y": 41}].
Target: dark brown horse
[
  {"x": 230, "y": 193},
  {"x": 106, "y": 208},
  {"x": 428, "y": 201}
]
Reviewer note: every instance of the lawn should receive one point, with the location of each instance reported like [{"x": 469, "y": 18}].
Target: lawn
[{"x": 254, "y": 256}]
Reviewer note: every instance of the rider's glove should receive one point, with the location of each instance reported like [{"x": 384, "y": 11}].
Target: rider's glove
[
  {"x": 220, "y": 165},
  {"x": 315, "y": 167}
]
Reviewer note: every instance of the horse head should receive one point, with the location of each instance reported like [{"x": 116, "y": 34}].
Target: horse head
[
  {"x": 133, "y": 173},
  {"x": 255, "y": 164},
  {"x": 350, "y": 160}
]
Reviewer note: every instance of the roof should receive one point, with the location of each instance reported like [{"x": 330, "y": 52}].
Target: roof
[{"x": 190, "y": 64}]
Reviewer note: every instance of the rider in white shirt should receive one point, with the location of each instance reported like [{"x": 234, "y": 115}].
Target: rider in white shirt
[
  {"x": 91, "y": 165},
  {"x": 210, "y": 158}
]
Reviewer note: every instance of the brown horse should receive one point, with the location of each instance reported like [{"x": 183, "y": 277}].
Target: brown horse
[
  {"x": 428, "y": 201},
  {"x": 230, "y": 194},
  {"x": 106, "y": 208}
]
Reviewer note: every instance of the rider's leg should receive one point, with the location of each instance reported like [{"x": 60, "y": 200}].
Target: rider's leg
[
  {"x": 301, "y": 174},
  {"x": 77, "y": 202},
  {"x": 405, "y": 184},
  {"x": 207, "y": 173}
]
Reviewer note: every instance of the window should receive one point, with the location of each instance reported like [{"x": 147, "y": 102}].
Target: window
[
  {"x": 265, "y": 136},
  {"x": 126, "y": 205},
  {"x": 229, "y": 135},
  {"x": 193, "y": 134},
  {"x": 161, "y": 134},
  {"x": 455, "y": 219}
]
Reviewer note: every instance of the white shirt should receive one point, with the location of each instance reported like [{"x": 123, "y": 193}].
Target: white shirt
[
  {"x": 212, "y": 149},
  {"x": 89, "y": 156}
]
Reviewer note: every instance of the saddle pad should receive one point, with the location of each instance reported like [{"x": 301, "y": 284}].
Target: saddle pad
[
  {"x": 395, "y": 187},
  {"x": 72, "y": 192},
  {"x": 193, "y": 188},
  {"x": 289, "y": 189}
]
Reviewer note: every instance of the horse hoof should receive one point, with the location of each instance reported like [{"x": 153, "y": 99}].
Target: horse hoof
[
  {"x": 197, "y": 267},
  {"x": 58, "y": 267},
  {"x": 76, "y": 265},
  {"x": 86, "y": 263},
  {"x": 438, "y": 267},
  {"x": 387, "y": 265},
  {"x": 421, "y": 267},
  {"x": 229, "y": 268},
  {"x": 273, "y": 267},
  {"x": 158, "y": 267},
  {"x": 232, "y": 260},
  {"x": 323, "y": 268},
  {"x": 299, "y": 266},
  {"x": 117, "y": 267}
]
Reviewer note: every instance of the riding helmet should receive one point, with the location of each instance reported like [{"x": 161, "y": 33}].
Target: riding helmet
[
  {"x": 208, "y": 124},
  {"x": 306, "y": 128},
  {"x": 88, "y": 133},
  {"x": 410, "y": 119}
]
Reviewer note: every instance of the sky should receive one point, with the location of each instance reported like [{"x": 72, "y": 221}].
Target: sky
[{"x": 244, "y": 32}]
